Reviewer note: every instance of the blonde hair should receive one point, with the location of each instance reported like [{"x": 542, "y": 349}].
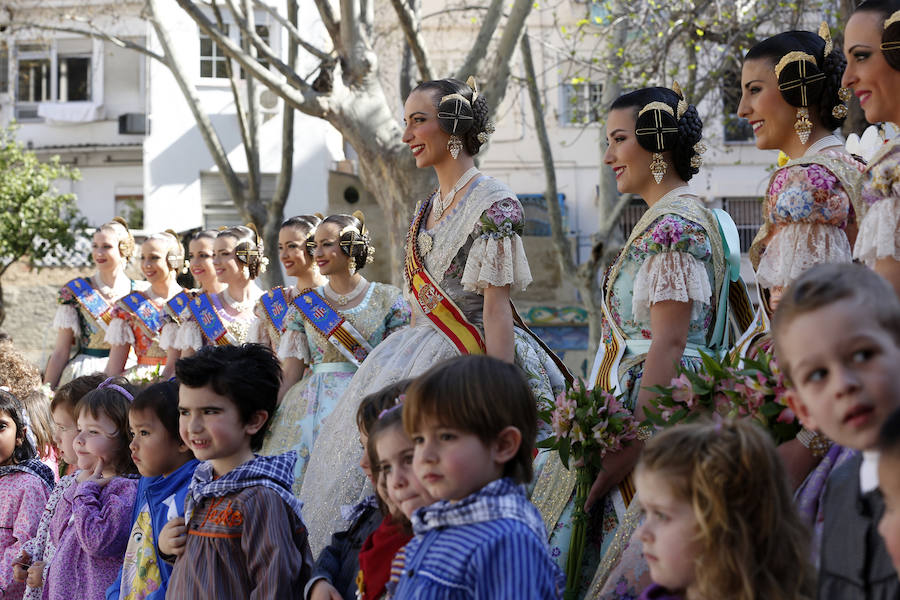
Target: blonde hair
[
  {"x": 174, "y": 249},
  {"x": 753, "y": 544},
  {"x": 119, "y": 227}
]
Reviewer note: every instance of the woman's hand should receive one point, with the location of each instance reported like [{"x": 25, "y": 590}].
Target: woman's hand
[{"x": 616, "y": 466}]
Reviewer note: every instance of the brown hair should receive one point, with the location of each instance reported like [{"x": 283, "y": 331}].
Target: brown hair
[
  {"x": 37, "y": 404},
  {"x": 119, "y": 227},
  {"x": 374, "y": 404},
  {"x": 174, "y": 250},
  {"x": 390, "y": 420},
  {"x": 248, "y": 249},
  {"x": 68, "y": 395},
  {"x": 479, "y": 395},
  {"x": 17, "y": 373},
  {"x": 827, "y": 284},
  {"x": 712, "y": 466},
  {"x": 115, "y": 405}
]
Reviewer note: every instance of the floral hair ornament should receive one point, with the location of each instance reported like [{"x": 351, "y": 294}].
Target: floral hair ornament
[
  {"x": 656, "y": 129},
  {"x": 890, "y": 40},
  {"x": 108, "y": 384}
]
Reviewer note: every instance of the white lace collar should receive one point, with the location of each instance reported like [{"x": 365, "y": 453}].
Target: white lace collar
[{"x": 826, "y": 142}]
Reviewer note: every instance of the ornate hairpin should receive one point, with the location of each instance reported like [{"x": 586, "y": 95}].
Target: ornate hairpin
[
  {"x": 825, "y": 34},
  {"x": 108, "y": 384}
]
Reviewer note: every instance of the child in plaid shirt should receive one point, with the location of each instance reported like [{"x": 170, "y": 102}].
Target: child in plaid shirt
[
  {"x": 473, "y": 423},
  {"x": 242, "y": 535}
]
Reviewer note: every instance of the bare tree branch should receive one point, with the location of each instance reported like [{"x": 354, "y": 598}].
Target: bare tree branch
[
  {"x": 326, "y": 12},
  {"x": 498, "y": 75},
  {"x": 294, "y": 32},
  {"x": 93, "y": 33},
  {"x": 409, "y": 23},
  {"x": 479, "y": 48}
]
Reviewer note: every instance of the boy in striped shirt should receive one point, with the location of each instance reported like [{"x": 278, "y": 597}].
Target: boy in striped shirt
[
  {"x": 473, "y": 422},
  {"x": 242, "y": 535}
]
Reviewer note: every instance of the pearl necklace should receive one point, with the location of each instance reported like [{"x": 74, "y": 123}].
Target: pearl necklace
[
  {"x": 344, "y": 299},
  {"x": 442, "y": 202},
  {"x": 236, "y": 305}
]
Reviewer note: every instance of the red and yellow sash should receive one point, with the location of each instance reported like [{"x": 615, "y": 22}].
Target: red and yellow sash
[{"x": 435, "y": 303}]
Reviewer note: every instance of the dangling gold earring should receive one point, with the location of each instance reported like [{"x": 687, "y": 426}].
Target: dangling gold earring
[
  {"x": 352, "y": 266},
  {"x": 840, "y": 111},
  {"x": 454, "y": 145},
  {"x": 186, "y": 267},
  {"x": 803, "y": 126},
  {"x": 658, "y": 166}
]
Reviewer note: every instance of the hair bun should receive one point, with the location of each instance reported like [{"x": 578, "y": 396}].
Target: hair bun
[
  {"x": 455, "y": 114},
  {"x": 121, "y": 221},
  {"x": 800, "y": 81},
  {"x": 656, "y": 128},
  {"x": 890, "y": 41}
]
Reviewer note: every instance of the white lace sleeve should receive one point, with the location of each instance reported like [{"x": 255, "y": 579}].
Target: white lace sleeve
[
  {"x": 119, "y": 333},
  {"x": 798, "y": 246},
  {"x": 189, "y": 336},
  {"x": 496, "y": 262},
  {"x": 677, "y": 276},
  {"x": 879, "y": 232},
  {"x": 67, "y": 318},
  {"x": 168, "y": 335},
  {"x": 294, "y": 345}
]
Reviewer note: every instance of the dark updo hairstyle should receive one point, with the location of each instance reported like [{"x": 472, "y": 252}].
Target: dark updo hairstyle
[
  {"x": 11, "y": 407},
  {"x": 890, "y": 36},
  {"x": 210, "y": 234},
  {"x": 305, "y": 225},
  {"x": 355, "y": 241},
  {"x": 249, "y": 247},
  {"x": 681, "y": 142},
  {"x": 822, "y": 94},
  {"x": 472, "y": 117}
]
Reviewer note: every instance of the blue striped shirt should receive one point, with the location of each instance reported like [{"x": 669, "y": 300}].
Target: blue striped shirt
[{"x": 491, "y": 556}]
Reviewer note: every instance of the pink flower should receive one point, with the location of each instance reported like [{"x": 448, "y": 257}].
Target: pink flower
[
  {"x": 786, "y": 416},
  {"x": 668, "y": 231},
  {"x": 577, "y": 433},
  {"x": 683, "y": 391},
  {"x": 503, "y": 210},
  {"x": 820, "y": 177}
]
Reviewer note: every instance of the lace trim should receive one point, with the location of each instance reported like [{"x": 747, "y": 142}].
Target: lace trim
[
  {"x": 496, "y": 262},
  {"x": 119, "y": 333},
  {"x": 677, "y": 276},
  {"x": 796, "y": 247},
  {"x": 189, "y": 336},
  {"x": 294, "y": 345},
  {"x": 67, "y": 318},
  {"x": 879, "y": 233},
  {"x": 168, "y": 335}
]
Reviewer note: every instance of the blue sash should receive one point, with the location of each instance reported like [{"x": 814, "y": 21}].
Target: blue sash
[
  {"x": 149, "y": 318},
  {"x": 275, "y": 305},
  {"x": 91, "y": 301},
  {"x": 177, "y": 304},
  {"x": 210, "y": 323},
  {"x": 332, "y": 326}
]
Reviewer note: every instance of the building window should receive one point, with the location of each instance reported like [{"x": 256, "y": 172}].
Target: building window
[
  {"x": 631, "y": 214},
  {"x": 212, "y": 59},
  {"x": 581, "y": 102},
  {"x": 74, "y": 78},
  {"x": 748, "y": 216},
  {"x": 4, "y": 68},
  {"x": 33, "y": 83},
  {"x": 736, "y": 129},
  {"x": 263, "y": 32},
  {"x": 131, "y": 208}
]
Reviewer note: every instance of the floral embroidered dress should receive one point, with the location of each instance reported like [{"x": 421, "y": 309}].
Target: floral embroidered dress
[
  {"x": 41, "y": 547},
  {"x": 675, "y": 252},
  {"x": 476, "y": 245},
  {"x": 190, "y": 336},
  {"x": 125, "y": 328},
  {"x": 297, "y": 420},
  {"x": 23, "y": 493},
  {"x": 879, "y": 229},
  {"x": 808, "y": 204},
  {"x": 92, "y": 351}
]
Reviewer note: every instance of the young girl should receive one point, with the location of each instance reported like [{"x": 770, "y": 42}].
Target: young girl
[
  {"x": 39, "y": 550},
  {"x": 25, "y": 483},
  {"x": 91, "y": 525},
  {"x": 357, "y": 562},
  {"x": 704, "y": 535}
]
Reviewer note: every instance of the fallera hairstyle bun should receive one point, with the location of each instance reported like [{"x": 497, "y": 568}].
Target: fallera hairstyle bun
[
  {"x": 174, "y": 249},
  {"x": 820, "y": 93},
  {"x": 458, "y": 113},
  {"x": 248, "y": 249},
  {"x": 305, "y": 224},
  {"x": 355, "y": 240},
  {"x": 680, "y": 130},
  {"x": 119, "y": 227}
]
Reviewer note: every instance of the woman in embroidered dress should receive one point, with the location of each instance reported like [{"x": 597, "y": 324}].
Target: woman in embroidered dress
[
  {"x": 238, "y": 260},
  {"x": 466, "y": 237},
  {"x": 111, "y": 247},
  {"x": 162, "y": 256},
  {"x": 661, "y": 302},
  {"x": 341, "y": 248},
  {"x": 297, "y": 262},
  {"x": 872, "y": 43}
]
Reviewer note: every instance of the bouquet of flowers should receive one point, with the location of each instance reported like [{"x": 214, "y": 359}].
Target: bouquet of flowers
[
  {"x": 730, "y": 387},
  {"x": 586, "y": 424}
]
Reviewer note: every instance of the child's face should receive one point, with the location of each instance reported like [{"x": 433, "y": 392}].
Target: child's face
[
  {"x": 9, "y": 438},
  {"x": 153, "y": 450},
  {"x": 64, "y": 432},
  {"x": 453, "y": 464},
  {"x": 889, "y": 525},
  {"x": 395, "y": 461},
  {"x": 843, "y": 366},
  {"x": 96, "y": 441},
  {"x": 667, "y": 533},
  {"x": 211, "y": 426}
]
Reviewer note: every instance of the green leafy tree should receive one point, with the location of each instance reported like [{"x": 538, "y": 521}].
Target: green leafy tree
[{"x": 36, "y": 220}]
